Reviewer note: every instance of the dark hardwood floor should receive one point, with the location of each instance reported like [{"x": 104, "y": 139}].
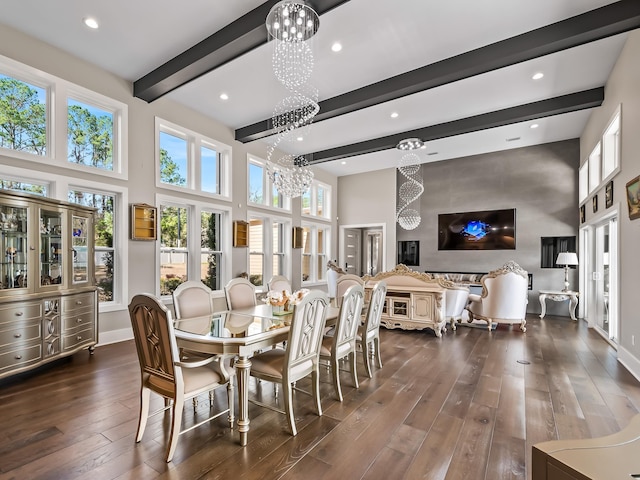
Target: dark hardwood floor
[{"x": 467, "y": 406}]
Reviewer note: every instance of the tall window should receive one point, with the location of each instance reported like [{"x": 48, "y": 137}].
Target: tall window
[
  {"x": 278, "y": 266},
  {"x": 174, "y": 253},
  {"x": 261, "y": 189},
  {"x": 187, "y": 160},
  {"x": 89, "y": 135},
  {"x": 594, "y": 168},
  {"x": 315, "y": 252},
  {"x": 315, "y": 201},
  {"x": 104, "y": 239},
  {"x": 611, "y": 147},
  {"x": 210, "y": 250},
  {"x": 256, "y": 252},
  {"x": 23, "y": 116},
  {"x": 583, "y": 179}
]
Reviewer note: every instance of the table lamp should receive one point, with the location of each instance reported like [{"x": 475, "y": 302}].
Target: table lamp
[{"x": 566, "y": 259}]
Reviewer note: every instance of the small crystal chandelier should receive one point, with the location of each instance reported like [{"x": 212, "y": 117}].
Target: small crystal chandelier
[
  {"x": 412, "y": 188},
  {"x": 292, "y": 24}
]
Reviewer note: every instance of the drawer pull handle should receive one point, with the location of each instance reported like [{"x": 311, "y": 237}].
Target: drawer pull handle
[
  {"x": 18, "y": 357},
  {"x": 79, "y": 320},
  {"x": 79, "y": 337},
  {"x": 78, "y": 302},
  {"x": 17, "y": 335},
  {"x": 19, "y": 314}
]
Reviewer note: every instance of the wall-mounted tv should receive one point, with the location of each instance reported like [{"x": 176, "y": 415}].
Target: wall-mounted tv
[{"x": 485, "y": 230}]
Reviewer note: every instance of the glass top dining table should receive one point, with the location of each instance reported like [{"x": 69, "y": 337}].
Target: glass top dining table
[{"x": 238, "y": 332}]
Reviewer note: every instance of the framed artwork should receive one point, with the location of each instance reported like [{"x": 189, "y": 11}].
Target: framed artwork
[
  {"x": 583, "y": 214},
  {"x": 594, "y": 203},
  {"x": 633, "y": 198},
  {"x": 608, "y": 194},
  {"x": 143, "y": 222}
]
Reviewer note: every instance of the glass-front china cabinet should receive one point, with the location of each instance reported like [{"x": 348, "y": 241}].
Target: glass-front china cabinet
[{"x": 48, "y": 300}]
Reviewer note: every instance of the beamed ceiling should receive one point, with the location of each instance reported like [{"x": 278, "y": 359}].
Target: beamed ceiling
[{"x": 458, "y": 74}]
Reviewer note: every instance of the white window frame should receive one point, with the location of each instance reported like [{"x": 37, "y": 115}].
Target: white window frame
[
  {"x": 583, "y": 181},
  {"x": 268, "y": 250},
  {"x": 594, "y": 168},
  {"x": 58, "y": 91},
  {"x": 194, "y": 166},
  {"x": 267, "y": 187},
  {"x": 611, "y": 145},
  {"x": 314, "y": 275},
  {"x": 194, "y": 210},
  {"x": 313, "y": 200}
]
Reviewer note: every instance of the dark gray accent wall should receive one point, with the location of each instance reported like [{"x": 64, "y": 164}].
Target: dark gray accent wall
[{"x": 540, "y": 182}]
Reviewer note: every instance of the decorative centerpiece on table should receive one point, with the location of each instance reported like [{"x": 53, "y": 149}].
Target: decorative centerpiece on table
[{"x": 282, "y": 301}]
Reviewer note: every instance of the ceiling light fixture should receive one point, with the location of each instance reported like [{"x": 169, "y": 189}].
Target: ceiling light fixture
[
  {"x": 411, "y": 190},
  {"x": 91, "y": 22},
  {"x": 224, "y": 96},
  {"x": 534, "y": 125},
  {"x": 537, "y": 76},
  {"x": 336, "y": 47},
  {"x": 394, "y": 115},
  {"x": 291, "y": 23}
]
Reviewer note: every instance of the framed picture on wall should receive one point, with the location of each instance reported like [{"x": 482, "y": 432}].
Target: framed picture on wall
[
  {"x": 608, "y": 194},
  {"x": 633, "y": 198},
  {"x": 583, "y": 214},
  {"x": 594, "y": 203}
]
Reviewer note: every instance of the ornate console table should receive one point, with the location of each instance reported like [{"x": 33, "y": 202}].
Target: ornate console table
[{"x": 559, "y": 296}]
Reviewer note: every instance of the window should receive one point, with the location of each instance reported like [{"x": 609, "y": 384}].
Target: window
[
  {"x": 315, "y": 201},
  {"x": 269, "y": 249},
  {"x": 94, "y": 127},
  {"x": 89, "y": 135},
  {"x": 594, "y": 168},
  {"x": 261, "y": 189},
  {"x": 29, "y": 186},
  {"x": 583, "y": 179},
  {"x": 104, "y": 227},
  {"x": 23, "y": 114},
  {"x": 174, "y": 254},
  {"x": 187, "y": 160},
  {"x": 194, "y": 237},
  {"x": 210, "y": 250},
  {"x": 315, "y": 252},
  {"x": 611, "y": 147}
]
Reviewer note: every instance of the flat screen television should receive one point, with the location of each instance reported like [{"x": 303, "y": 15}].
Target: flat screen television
[{"x": 485, "y": 230}]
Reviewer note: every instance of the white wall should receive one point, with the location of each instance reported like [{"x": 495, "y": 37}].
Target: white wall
[
  {"x": 141, "y": 178},
  {"x": 623, "y": 87}
]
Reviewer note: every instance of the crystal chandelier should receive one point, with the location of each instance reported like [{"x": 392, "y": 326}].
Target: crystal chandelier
[
  {"x": 412, "y": 188},
  {"x": 292, "y": 24}
]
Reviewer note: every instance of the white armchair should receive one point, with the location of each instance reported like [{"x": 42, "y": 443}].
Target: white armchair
[
  {"x": 455, "y": 301},
  {"x": 504, "y": 297}
]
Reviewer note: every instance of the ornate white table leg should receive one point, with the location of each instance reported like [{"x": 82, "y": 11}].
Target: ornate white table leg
[
  {"x": 543, "y": 305},
  {"x": 243, "y": 364},
  {"x": 573, "y": 303}
]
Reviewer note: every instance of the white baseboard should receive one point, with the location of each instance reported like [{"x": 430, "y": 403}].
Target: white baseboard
[
  {"x": 115, "y": 336},
  {"x": 630, "y": 362}
]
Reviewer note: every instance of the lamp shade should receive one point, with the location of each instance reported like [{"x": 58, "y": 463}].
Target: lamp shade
[{"x": 567, "y": 258}]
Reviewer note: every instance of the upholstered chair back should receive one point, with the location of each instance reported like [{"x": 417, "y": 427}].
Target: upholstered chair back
[
  {"x": 192, "y": 299},
  {"x": 240, "y": 293}
]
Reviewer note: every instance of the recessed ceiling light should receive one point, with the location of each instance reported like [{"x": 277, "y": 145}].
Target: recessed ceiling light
[
  {"x": 300, "y": 139},
  {"x": 224, "y": 96},
  {"x": 90, "y": 22},
  {"x": 336, "y": 47},
  {"x": 537, "y": 76},
  {"x": 344, "y": 163},
  {"x": 534, "y": 125},
  {"x": 394, "y": 115}
]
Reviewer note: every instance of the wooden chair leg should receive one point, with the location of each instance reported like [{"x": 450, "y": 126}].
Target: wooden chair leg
[
  {"x": 176, "y": 420},
  {"x": 288, "y": 407},
  {"x": 145, "y": 395}
]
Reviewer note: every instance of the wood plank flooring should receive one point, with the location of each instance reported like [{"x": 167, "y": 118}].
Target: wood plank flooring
[{"x": 460, "y": 407}]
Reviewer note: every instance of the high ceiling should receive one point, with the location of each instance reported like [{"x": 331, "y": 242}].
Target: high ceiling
[{"x": 457, "y": 91}]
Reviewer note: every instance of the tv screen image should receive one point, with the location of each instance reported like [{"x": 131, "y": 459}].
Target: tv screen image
[{"x": 484, "y": 230}]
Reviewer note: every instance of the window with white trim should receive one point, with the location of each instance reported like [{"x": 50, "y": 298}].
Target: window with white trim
[
  {"x": 187, "y": 160},
  {"x": 193, "y": 240},
  {"x": 269, "y": 241},
  {"x": 94, "y": 127},
  {"x": 27, "y": 185},
  {"x": 583, "y": 182},
  {"x": 261, "y": 191},
  {"x": 594, "y": 168},
  {"x": 315, "y": 252},
  {"x": 316, "y": 200},
  {"x": 611, "y": 147}
]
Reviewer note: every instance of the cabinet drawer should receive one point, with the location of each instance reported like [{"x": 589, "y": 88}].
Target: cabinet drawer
[
  {"x": 20, "y": 332},
  {"x": 77, "y": 338},
  {"x": 19, "y": 312},
  {"x": 82, "y": 301},
  {"x": 20, "y": 357},
  {"x": 71, "y": 321}
]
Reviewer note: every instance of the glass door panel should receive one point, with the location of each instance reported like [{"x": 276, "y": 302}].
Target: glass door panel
[
  {"x": 52, "y": 255},
  {"x": 14, "y": 247},
  {"x": 80, "y": 249},
  {"x": 604, "y": 277}
]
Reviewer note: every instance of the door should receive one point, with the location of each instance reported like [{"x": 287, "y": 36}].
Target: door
[
  {"x": 604, "y": 278},
  {"x": 352, "y": 251},
  {"x": 373, "y": 253}
]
